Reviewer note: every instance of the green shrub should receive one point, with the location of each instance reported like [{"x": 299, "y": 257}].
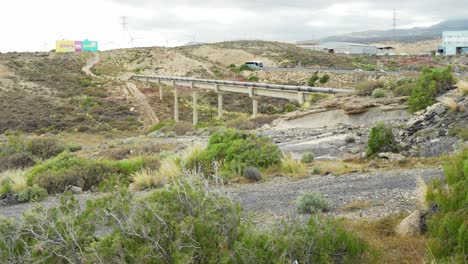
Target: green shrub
[
  {"x": 236, "y": 150},
  {"x": 379, "y": 93},
  {"x": 244, "y": 67},
  {"x": 404, "y": 88},
  {"x": 366, "y": 88},
  {"x": 447, "y": 228},
  {"x": 381, "y": 139},
  {"x": 316, "y": 170},
  {"x": 73, "y": 147},
  {"x": 324, "y": 79},
  {"x": 290, "y": 107},
  {"x": 253, "y": 78},
  {"x": 429, "y": 85},
  {"x": 308, "y": 157},
  {"x": 32, "y": 193},
  {"x": 19, "y": 160},
  {"x": 312, "y": 202},
  {"x": 183, "y": 223},
  {"x": 313, "y": 79},
  {"x": 252, "y": 174}
]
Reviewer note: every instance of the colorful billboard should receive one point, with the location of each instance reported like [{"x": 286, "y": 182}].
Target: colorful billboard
[
  {"x": 65, "y": 46},
  {"x": 76, "y": 46}
]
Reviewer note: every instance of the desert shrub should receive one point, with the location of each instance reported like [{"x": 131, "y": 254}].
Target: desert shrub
[
  {"x": 447, "y": 228},
  {"x": 19, "y": 160},
  {"x": 183, "y": 223},
  {"x": 162, "y": 125},
  {"x": 324, "y": 79},
  {"x": 236, "y": 150},
  {"x": 404, "y": 88},
  {"x": 290, "y": 107},
  {"x": 367, "y": 87},
  {"x": 312, "y": 202},
  {"x": 12, "y": 181},
  {"x": 463, "y": 87},
  {"x": 182, "y": 128},
  {"x": 313, "y": 79},
  {"x": 194, "y": 157},
  {"x": 381, "y": 139},
  {"x": 148, "y": 178},
  {"x": 45, "y": 148},
  {"x": 430, "y": 84},
  {"x": 56, "y": 174},
  {"x": 262, "y": 120},
  {"x": 253, "y": 78},
  {"x": 379, "y": 93},
  {"x": 292, "y": 167},
  {"x": 308, "y": 157},
  {"x": 244, "y": 67},
  {"x": 316, "y": 170},
  {"x": 252, "y": 174},
  {"x": 73, "y": 147},
  {"x": 170, "y": 168},
  {"x": 32, "y": 193},
  {"x": 350, "y": 139},
  {"x": 241, "y": 123}
]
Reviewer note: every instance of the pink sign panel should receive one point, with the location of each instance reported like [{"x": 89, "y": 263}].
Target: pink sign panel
[{"x": 78, "y": 46}]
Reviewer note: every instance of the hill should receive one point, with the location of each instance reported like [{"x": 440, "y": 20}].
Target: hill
[{"x": 403, "y": 35}]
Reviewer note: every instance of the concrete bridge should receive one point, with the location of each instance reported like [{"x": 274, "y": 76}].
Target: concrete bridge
[{"x": 254, "y": 90}]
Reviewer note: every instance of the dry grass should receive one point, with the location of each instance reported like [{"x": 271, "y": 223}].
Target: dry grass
[
  {"x": 463, "y": 87},
  {"x": 16, "y": 179},
  {"x": 450, "y": 103},
  {"x": 356, "y": 206},
  {"x": 148, "y": 178},
  {"x": 292, "y": 167},
  {"x": 170, "y": 168},
  {"x": 392, "y": 248}
]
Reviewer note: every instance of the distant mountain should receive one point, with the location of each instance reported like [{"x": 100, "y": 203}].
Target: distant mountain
[
  {"x": 403, "y": 35},
  {"x": 194, "y": 43}
]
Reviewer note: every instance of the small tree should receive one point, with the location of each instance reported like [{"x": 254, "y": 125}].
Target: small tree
[{"x": 324, "y": 79}]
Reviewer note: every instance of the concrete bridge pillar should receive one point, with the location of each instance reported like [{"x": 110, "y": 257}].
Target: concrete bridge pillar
[
  {"x": 220, "y": 105},
  {"x": 300, "y": 97},
  {"x": 160, "y": 90},
  {"x": 255, "y": 107},
  {"x": 195, "y": 111},
  {"x": 176, "y": 105}
]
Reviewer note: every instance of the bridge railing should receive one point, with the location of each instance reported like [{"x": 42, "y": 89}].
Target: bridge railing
[{"x": 248, "y": 84}]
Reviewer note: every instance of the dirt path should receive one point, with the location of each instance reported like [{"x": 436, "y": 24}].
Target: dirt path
[
  {"x": 140, "y": 98},
  {"x": 385, "y": 193},
  {"x": 143, "y": 102}
]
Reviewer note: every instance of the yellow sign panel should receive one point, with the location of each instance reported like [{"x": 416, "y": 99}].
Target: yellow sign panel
[{"x": 65, "y": 46}]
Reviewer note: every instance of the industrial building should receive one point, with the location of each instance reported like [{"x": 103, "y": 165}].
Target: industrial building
[
  {"x": 342, "y": 47},
  {"x": 454, "y": 42}
]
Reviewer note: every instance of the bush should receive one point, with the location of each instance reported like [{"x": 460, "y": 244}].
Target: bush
[
  {"x": 313, "y": 79},
  {"x": 252, "y": 174},
  {"x": 17, "y": 161},
  {"x": 312, "y": 202},
  {"x": 429, "y": 85},
  {"x": 308, "y": 157},
  {"x": 241, "y": 123},
  {"x": 381, "y": 139},
  {"x": 404, "y": 88},
  {"x": 379, "y": 93},
  {"x": 244, "y": 67},
  {"x": 253, "y": 78},
  {"x": 447, "y": 228},
  {"x": 350, "y": 139},
  {"x": 73, "y": 147},
  {"x": 12, "y": 181},
  {"x": 290, "y": 107},
  {"x": 32, "y": 193},
  {"x": 45, "y": 148},
  {"x": 182, "y": 128},
  {"x": 324, "y": 79},
  {"x": 236, "y": 150},
  {"x": 366, "y": 88},
  {"x": 292, "y": 167}
]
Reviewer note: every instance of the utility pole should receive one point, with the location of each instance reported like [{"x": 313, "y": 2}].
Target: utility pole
[
  {"x": 124, "y": 24},
  {"x": 394, "y": 26}
]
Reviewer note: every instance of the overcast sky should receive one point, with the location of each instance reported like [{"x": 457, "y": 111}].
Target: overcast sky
[{"x": 31, "y": 25}]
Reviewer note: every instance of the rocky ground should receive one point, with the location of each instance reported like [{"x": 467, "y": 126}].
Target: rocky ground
[{"x": 374, "y": 195}]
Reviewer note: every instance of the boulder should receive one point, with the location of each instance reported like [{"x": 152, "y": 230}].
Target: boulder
[
  {"x": 410, "y": 226},
  {"x": 74, "y": 189}
]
